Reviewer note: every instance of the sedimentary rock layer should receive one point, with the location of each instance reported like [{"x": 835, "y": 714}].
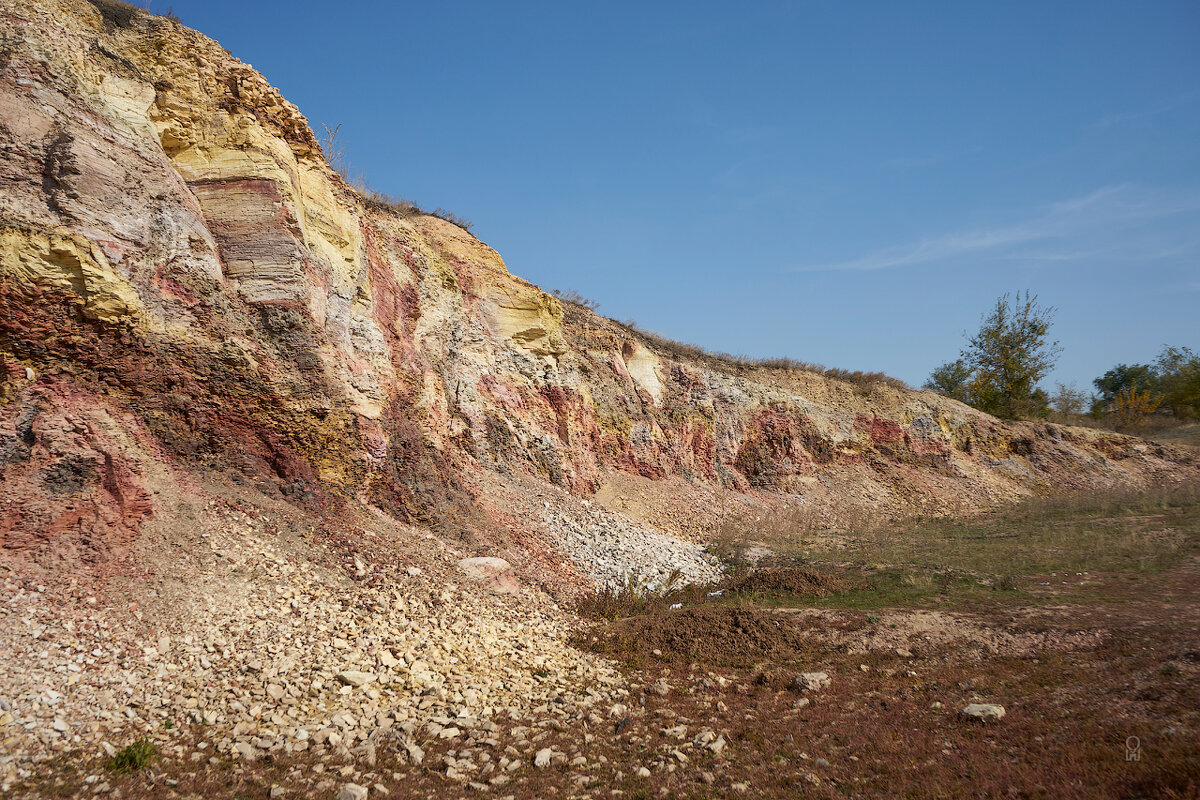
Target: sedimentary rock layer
[{"x": 178, "y": 260}]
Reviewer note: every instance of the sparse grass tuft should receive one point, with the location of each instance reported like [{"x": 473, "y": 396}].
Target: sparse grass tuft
[
  {"x": 1006, "y": 583},
  {"x": 634, "y": 596},
  {"x": 133, "y": 758},
  {"x": 613, "y": 602}
]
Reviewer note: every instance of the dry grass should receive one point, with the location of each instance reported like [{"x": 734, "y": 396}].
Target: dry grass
[
  {"x": 1118, "y": 530},
  {"x": 864, "y": 381},
  {"x": 335, "y": 156},
  {"x": 399, "y": 206},
  {"x": 1186, "y": 436},
  {"x": 634, "y": 597},
  {"x": 576, "y": 299},
  {"x": 782, "y": 536}
]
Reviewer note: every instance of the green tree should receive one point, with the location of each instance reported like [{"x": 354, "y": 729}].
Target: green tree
[
  {"x": 1178, "y": 371},
  {"x": 1125, "y": 376},
  {"x": 999, "y": 369},
  {"x": 951, "y": 379}
]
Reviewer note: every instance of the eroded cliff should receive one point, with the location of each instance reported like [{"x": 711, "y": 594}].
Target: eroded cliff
[{"x": 185, "y": 281}]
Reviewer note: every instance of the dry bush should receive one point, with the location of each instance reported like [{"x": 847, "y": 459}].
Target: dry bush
[
  {"x": 335, "y": 154},
  {"x": 865, "y": 380},
  {"x": 380, "y": 201},
  {"x": 576, "y": 299},
  {"x": 391, "y": 204},
  {"x": 453, "y": 219},
  {"x": 117, "y": 14}
]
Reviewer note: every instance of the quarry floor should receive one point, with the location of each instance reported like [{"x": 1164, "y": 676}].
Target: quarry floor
[{"x": 1098, "y": 672}]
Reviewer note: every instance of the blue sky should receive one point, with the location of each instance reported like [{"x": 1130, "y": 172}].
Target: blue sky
[{"x": 849, "y": 184}]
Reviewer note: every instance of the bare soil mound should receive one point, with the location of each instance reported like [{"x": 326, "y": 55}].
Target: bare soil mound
[
  {"x": 711, "y": 635},
  {"x": 792, "y": 581}
]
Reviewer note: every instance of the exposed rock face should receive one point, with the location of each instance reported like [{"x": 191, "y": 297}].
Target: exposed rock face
[{"x": 181, "y": 270}]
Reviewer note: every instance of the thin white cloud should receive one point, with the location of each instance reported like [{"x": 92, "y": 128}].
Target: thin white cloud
[
  {"x": 1099, "y": 213},
  {"x": 1162, "y": 106}
]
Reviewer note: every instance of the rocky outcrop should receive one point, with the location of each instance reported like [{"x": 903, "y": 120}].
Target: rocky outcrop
[{"x": 178, "y": 260}]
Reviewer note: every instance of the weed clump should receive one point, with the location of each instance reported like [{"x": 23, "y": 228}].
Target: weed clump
[
  {"x": 133, "y": 758},
  {"x": 633, "y": 596},
  {"x": 1006, "y": 583}
]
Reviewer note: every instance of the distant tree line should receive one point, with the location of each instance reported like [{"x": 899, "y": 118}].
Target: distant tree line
[
  {"x": 1130, "y": 392},
  {"x": 1000, "y": 369}
]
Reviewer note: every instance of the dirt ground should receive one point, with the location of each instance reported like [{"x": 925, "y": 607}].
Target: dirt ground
[{"x": 1102, "y": 700}]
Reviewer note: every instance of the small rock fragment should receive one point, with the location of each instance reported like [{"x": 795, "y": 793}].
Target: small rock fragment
[
  {"x": 353, "y": 678},
  {"x": 984, "y": 712},
  {"x": 810, "y": 681},
  {"x": 352, "y": 791}
]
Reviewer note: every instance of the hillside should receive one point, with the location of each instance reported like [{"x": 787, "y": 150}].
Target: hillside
[{"x": 232, "y": 387}]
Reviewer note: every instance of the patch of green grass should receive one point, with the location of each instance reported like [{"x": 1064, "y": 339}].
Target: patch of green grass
[
  {"x": 133, "y": 758},
  {"x": 1098, "y": 532}
]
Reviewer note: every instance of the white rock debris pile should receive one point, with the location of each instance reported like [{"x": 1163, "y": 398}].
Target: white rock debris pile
[
  {"x": 609, "y": 548},
  {"x": 299, "y": 660}
]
